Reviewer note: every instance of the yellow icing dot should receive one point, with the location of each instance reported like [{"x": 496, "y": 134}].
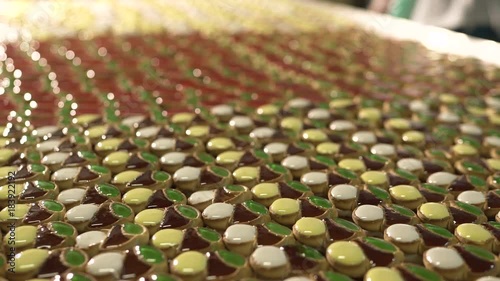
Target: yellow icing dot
[
  {"x": 5, "y": 190},
  {"x": 310, "y": 226},
  {"x": 97, "y": 131},
  {"x": 341, "y": 103},
  {"x": 434, "y": 211},
  {"x": 494, "y": 164},
  {"x": 266, "y": 190},
  {"x": 116, "y": 158},
  {"x": 477, "y": 110},
  {"x": 327, "y": 148},
  {"x": 473, "y": 232},
  {"x": 197, "y": 131},
  {"x": 464, "y": 149},
  {"x": 189, "y": 263},
  {"x": 246, "y": 173},
  {"x": 20, "y": 210},
  {"x": 126, "y": 177},
  {"x": 6, "y": 171},
  {"x": 3, "y": 141},
  {"x": 137, "y": 196},
  {"x": 291, "y": 123},
  {"x": 108, "y": 144},
  {"x": 23, "y": 235},
  {"x": 405, "y": 192},
  {"x": 382, "y": 273},
  {"x": 267, "y": 109},
  {"x": 149, "y": 217},
  {"x": 284, "y": 206},
  {"x": 6, "y": 154},
  {"x": 184, "y": 117},
  {"x": 229, "y": 157},
  {"x": 372, "y": 114},
  {"x": 374, "y": 177},
  {"x": 85, "y": 119},
  {"x": 167, "y": 238},
  {"x": 448, "y": 98},
  {"x": 345, "y": 252},
  {"x": 220, "y": 143},
  {"x": 314, "y": 135},
  {"x": 352, "y": 164},
  {"x": 413, "y": 136},
  {"x": 398, "y": 123},
  {"x": 30, "y": 259}
]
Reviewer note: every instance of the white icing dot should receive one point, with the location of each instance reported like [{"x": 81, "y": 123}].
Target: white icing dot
[
  {"x": 187, "y": 174},
  {"x": 344, "y": 192},
  {"x": 48, "y": 145},
  {"x": 383, "y": 149},
  {"x": 45, "y": 130},
  {"x": 240, "y": 233},
  {"x": 218, "y": 211},
  {"x": 418, "y": 106},
  {"x": 173, "y": 158},
  {"x": 241, "y": 122},
  {"x": 106, "y": 263},
  {"x": 89, "y": 238},
  {"x": 65, "y": 174},
  {"x": 201, "y": 196},
  {"x": 299, "y": 103},
  {"x": 402, "y": 233},
  {"x": 295, "y": 162},
  {"x": 369, "y": 213},
  {"x": 492, "y": 140},
  {"x": 318, "y": 113},
  {"x": 163, "y": 143},
  {"x": 488, "y": 278},
  {"x": 275, "y": 148},
  {"x": 443, "y": 258},
  {"x": 342, "y": 125},
  {"x": 314, "y": 178},
  {"x": 262, "y": 132},
  {"x": 471, "y": 197},
  {"x": 470, "y": 129},
  {"x": 268, "y": 257},
  {"x": 448, "y": 117},
  {"x": 298, "y": 278},
  {"x": 410, "y": 164},
  {"x": 132, "y": 120},
  {"x": 364, "y": 137},
  {"x": 81, "y": 213},
  {"x": 147, "y": 132},
  {"x": 441, "y": 178},
  {"x": 54, "y": 158},
  {"x": 70, "y": 196},
  {"x": 222, "y": 110}
]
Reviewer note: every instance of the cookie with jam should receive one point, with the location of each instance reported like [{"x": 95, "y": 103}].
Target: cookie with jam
[
  {"x": 86, "y": 217},
  {"x": 28, "y": 192},
  {"x": 163, "y": 145},
  {"x": 151, "y": 179},
  {"x": 101, "y": 132},
  {"x": 136, "y": 122},
  {"x": 410, "y": 271},
  {"x": 174, "y": 217},
  {"x": 141, "y": 198},
  {"x": 43, "y": 263},
  {"x": 434, "y": 193},
  {"x": 477, "y": 167},
  {"x": 279, "y": 150},
  {"x": 457, "y": 184},
  {"x": 57, "y": 160},
  {"x": 232, "y": 194},
  {"x": 233, "y": 159},
  {"x": 377, "y": 218},
  {"x": 407, "y": 196},
  {"x": 383, "y": 273},
  {"x": 402, "y": 177},
  {"x": 50, "y": 236},
  {"x": 23, "y": 173},
  {"x": 375, "y": 178},
  {"x": 87, "y": 120},
  {"x": 481, "y": 235},
  {"x": 173, "y": 161},
  {"x": 55, "y": 132},
  {"x": 120, "y": 161},
  {"x": 299, "y": 165},
  {"x": 94, "y": 194},
  {"x": 267, "y": 193},
  {"x": 375, "y": 162},
  {"x": 133, "y": 264},
  {"x": 154, "y": 132},
  {"x": 287, "y": 211},
  {"x": 251, "y": 176},
  {"x": 71, "y": 143},
  {"x": 346, "y": 197},
  {"x": 465, "y": 213},
  {"x": 320, "y": 182},
  {"x": 220, "y": 215},
  {"x": 8, "y": 156},
  {"x": 244, "y": 238},
  {"x": 109, "y": 145},
  {"x": 70, "y": 177},
  {"x": 434, "y": 236},
  {"x": 189, "y": 179},
  {"x": 172, "y": 242},
  {"x": 270, "y": 262},
  {"x": 341, "y": 230},
  {"x": 43, "y": 211}
]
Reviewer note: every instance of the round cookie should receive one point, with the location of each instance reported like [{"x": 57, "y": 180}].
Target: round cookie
[
  {"x": 28, "y": 192},
  {"x": 250, "y": 176},
  {"x": 95, "y": 194},
  {"x": 57, "y": 160},
  {"x": 173, "y": 161},
  {"x": 52, "y": 235},
  {"x": 270, "y": 262},
  {"x": 88, "y": 217},
  {"x": 109, "y": 145},
  {"x": 220, "y": 215},
  {"x": 120, "y": 161},
  {"x": 173, "y": 241},
  {"x": 143, "y": 198},
  {"x": 174, "y": 217},
  {"x": 130, "y": 179},
  {"x": 232, "y": 159},
  {"x": 190, "y": 179},
  {"x": 70, "y": 177}
]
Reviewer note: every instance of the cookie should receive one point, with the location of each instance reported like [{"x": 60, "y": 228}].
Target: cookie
[
  {"x": 141, "y": 198},
  {"x": 176, "y": 217},
  {"x": 86, "y": 217},
  {"x": 150, "y": 179},
  {"x": 220, "y": 215},
  {"x": 28, "y": 192},
  {"x": 173, "y": 161},
  {"x": 287, "y": 211},
  {"x": 105, "y": 147},
  {"x": 51, "y": 235},
  {"x": 189, "y": 179},
  {"x": 70, "y": 177},
  {"x": 250, "y": 176},
  {"x": 233, "y": 158},
  {"x": 174, "y": 241},
  {"x": 120, "y": 161},
  {"x": 94, "y": 194}
]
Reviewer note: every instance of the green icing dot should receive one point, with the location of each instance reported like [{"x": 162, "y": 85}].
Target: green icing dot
[
  {"x": 80, "y": 139},
  {"x": 278, "y": 228},
  {"x": 381, "y": 244},
  {"x": 480, "y": 252},
  {"x": 469, "y": 208},
  {"x": 121, "y": 210},
  {"x": 260, "y": 154},
  {"x": 379, "y": 192},
  {"x": 163, "y": 277},
  {"x": 47, "y": 185},
  {"x": 255, "y": 207},
  {"x": 320, "y": 202},
  {"x": 99, "y": 169},
  {"x": 62, "y": 228},
  {"x": 150, "y": 254},
  {"x": 151, "y": 158},
  {"x": 405, "y": 174},
  {"x": 496, "y": 179},
  {"x": 435, "y": 188},
  {"x": 278, "y": 168},
  {"x": 174, "y": 195},
  {"x": 221, "y": 172},
  {"x": 438, "y": 230},
  {"x": 402, "y": 210},
  {"x": 140, "y": 142},
  {"x": 494, "y": 224},
  {"x": 108, "y": 190},
  {"x": 377, "y": 158},
  {"x": 303, "y": 145},
  {"x": 333, "y": 276},
  {"x": 298, "y": 186},
  {"x": 209, "y": 234},
  {"x": 470, "y": 141},
  {"x": 235, "y": 188},
  {"x": 87, "y": 154},
  {"x": 132, "y": 228},
  {"x": 346, "y": 173},
  {"x": 477, "y": 181},
  {"x": 161, "y": 176},
  {"x": 309, "y": 252},
  {"x": 325, "y": 160},
  {"x": 188, "y": 211},
  {"x": 191, "y": 141},
  {"x": 53, "y": 205},
  {"x": 205, "y": 157},
  {"x": 33, "y": 156},
  {"x": 423, "y": 273},
  {"x": 2, "y": 261},
  {"x": 231, "y": 258},
  {"x": 37, "y": 168},
  {"x": 74, "y": 257},
  {"x": 438, "y": 153}
]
